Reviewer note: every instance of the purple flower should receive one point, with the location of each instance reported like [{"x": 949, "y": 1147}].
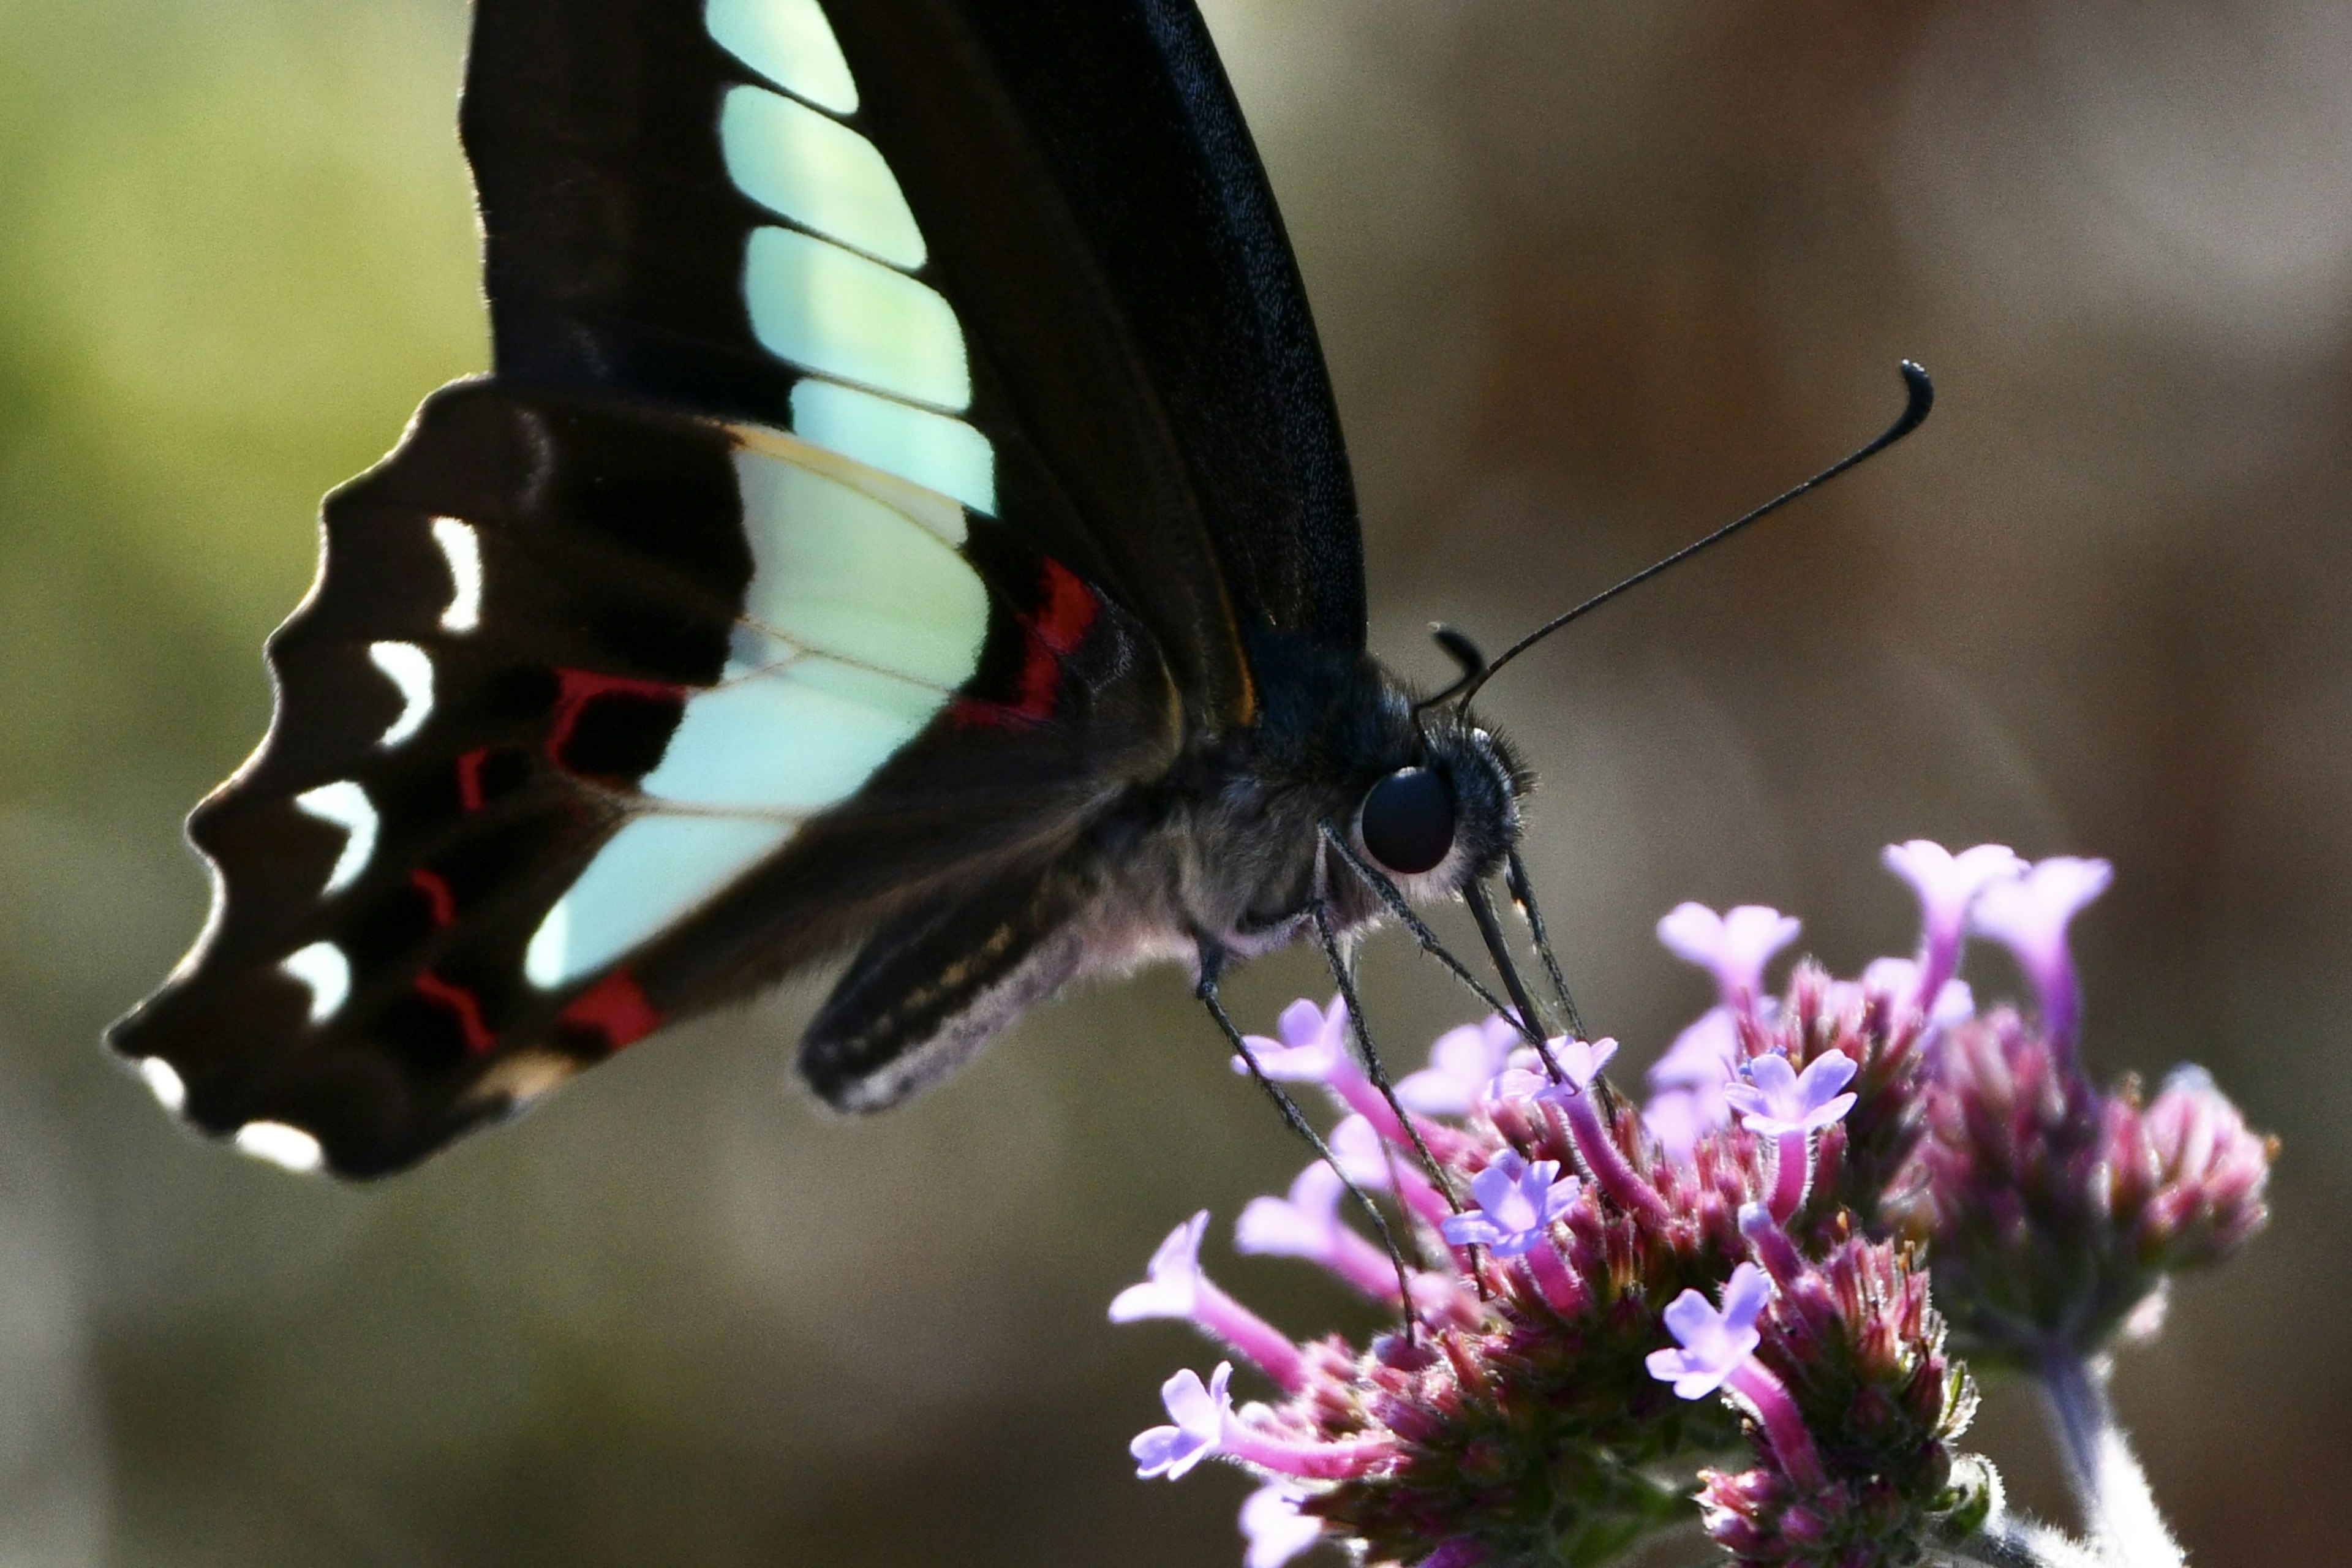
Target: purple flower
[
  {"x": 1277, "y": 1531},
  {"x": 1733, "y": 947},
  {"x": 1174, "y": 1287},
  {"x": 1313, "y": 1048},
  {"x": 1687, "y": 1083},
  {"x": 2029, "y": 916},
  {"x": 1527, "y": 1078},
  {"x": 1463, "y": 1064},
  {"x": 1172, "y": 1281},
  {"x": 1201, "y": 1415},
  {"x": 1306, "y": 1225},
  {"x": 1777, "y": 1101},
  {"x": 1712, "y": 1344},
  {"x": 1949, "y": 886},
  {"x": 1357, "y": 1145},
  {"x": 1516, "y": 1202}
]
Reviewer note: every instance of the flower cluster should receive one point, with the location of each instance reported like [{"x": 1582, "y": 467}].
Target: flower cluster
[{"x": 1606, "y": 1303}]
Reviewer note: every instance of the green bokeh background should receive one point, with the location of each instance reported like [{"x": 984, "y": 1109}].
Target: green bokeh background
[{"x": 1590, "y": 275}]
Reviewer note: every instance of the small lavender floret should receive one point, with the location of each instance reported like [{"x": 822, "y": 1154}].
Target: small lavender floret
[
  {"x": 1306, "y": 1223},
  {"x": 1734, "y": 946},
  {"x": 1949, "y": 886},
  {"x": 1779, "y": 1101},
  {"x": 1200, "y": 1415},
  {"x": 1711, "y": 1342},
  {"x": 2029, "y": 915},
  {"x": 1273, "y": 1526},
  {"x": 1687, "y": 1081},
  {"x": 1174, "y": 1287},
  {"x": 1462, "y": 1066},
  {"x": 1516, "y": 1201}
]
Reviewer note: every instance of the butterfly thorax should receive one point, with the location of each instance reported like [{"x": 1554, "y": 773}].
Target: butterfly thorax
[{"x": 1229, "y": 847}]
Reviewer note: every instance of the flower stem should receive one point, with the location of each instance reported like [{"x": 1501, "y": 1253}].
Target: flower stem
[
  {"x": 2119, "y": 1509},
  {"x": 2011, "y": 1540}
]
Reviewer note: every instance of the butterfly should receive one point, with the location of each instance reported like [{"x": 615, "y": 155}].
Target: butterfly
[{"x": 906, "y": 519}]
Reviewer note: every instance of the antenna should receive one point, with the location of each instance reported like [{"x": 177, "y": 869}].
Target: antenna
[{"x": 1920, "y": 396}]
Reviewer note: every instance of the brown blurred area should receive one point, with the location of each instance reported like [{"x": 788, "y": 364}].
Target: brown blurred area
[{"x": 1592, "y": 278}]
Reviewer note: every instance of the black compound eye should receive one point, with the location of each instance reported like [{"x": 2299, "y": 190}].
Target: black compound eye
[{"x": 1409, "y": 821}]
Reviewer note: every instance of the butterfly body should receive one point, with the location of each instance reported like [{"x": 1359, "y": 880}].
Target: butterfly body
[{"x": 907, "y": 519}]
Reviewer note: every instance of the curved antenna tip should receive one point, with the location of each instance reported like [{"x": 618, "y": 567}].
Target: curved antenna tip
[{"x": 1920, "y": 403}]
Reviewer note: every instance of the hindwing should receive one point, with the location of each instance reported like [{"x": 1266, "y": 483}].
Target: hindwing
[{"x": 598, "y": 718}]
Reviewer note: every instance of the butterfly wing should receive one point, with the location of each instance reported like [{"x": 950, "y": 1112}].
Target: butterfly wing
[
  {"x": 1069, "y": 182},
  {"x": 905, "y": 421}
]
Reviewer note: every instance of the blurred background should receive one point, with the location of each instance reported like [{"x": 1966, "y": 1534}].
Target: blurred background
[{"x": 1591, "y": 276}]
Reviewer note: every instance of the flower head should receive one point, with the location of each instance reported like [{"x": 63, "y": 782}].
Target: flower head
[
  {"x": 1710, "y": 1343},
  {"x": 1200, "y": 1415},
  {"x": 1516, "y": 1201},
  {"x": 1765, "y": 1271},
  {"x": 1734, "y": 947},
  {"x": 2029, "y": 915},
  {"x": 1778, "y": 1101}
]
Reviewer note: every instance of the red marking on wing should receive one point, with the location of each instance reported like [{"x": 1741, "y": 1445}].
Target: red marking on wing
[
  {"x": 579, "y": 687},
  {"x": 462, "y": 1002},
  {"x": 469, "y": 778},
  {"x": 436, "y": 888},
  {"x": 615, "y": 1007},
  {"x": 1056, "y": 629}
]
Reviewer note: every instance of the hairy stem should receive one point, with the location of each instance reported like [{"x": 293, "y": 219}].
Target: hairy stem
[{"x": 2119, "y": 1509}]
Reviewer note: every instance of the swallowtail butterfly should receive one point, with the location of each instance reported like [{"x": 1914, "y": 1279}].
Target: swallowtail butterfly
[{"x": 907, "y": 519}]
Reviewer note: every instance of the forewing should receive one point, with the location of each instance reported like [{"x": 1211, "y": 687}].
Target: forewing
[
  {"x": 1018, "y": 250},
  {"x": 597, "y": 718}
]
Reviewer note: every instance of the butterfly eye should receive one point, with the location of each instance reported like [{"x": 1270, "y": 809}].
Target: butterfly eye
[{"x": 1409, "y": 821}]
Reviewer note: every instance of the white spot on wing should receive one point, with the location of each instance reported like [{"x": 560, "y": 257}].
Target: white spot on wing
[
  {"x": 543, "y": 960},
  {"x": 929, "y": 449},
  {"x": 818, "y": 173},
  {"x": 346, "y": 805},
  {"x": 789, "y": 43},
  {"x": 463, "y": 551},
  {"x": 839, "y": 313},
  {"x": 409, "y": 667},
  {"x": 282, "y": 1145},
  {"x": 323, "y": 967},
  {"x": 170, "y": 1092}
]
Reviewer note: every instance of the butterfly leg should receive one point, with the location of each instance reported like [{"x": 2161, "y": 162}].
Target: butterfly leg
[
  {"x": 1344, "y": 975},
  {"x": 1377, "y": 880},
  {"x": 1523, "y": 893},
  {"x": 1213, "y": 963}
]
